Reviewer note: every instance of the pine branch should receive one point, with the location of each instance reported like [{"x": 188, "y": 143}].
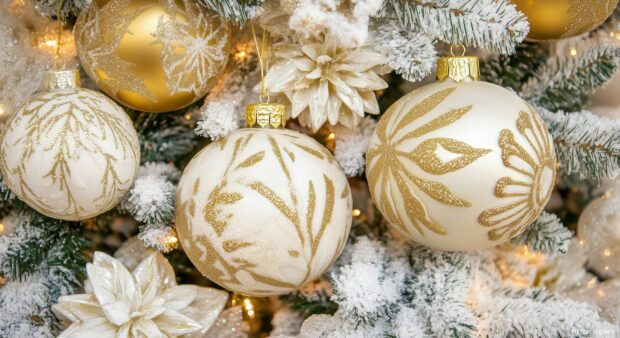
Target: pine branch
[
  {"x": 41, "y": 261},
  {"x": 490, "y": 24},
  {"x": 151, "y": 198},
  {"x": 546, "y": 235},
  {"x": 514, "y": 69},
  {"x": 564, "y": 81},
  {"x": 318, "y": 303},
  {"x": 438, "y": 289},
  {"x": 165, "y": 137},
  {"x": 510, "y": 315},
  {"x": 238, "y": 11},
  {"x": 410, "y": 54},
  {"x": 585, "y": 144},
  {"x": 68, "y": 8}
]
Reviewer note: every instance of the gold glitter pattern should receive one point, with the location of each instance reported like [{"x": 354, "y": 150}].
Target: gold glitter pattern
[
  {"x": 45, "y": 146},
  {"x": 530, "y": 189},
  {"x": 152, "y": 55},
  {"x": 227, "y": 253},
  {"x": 389, "y": 178}
]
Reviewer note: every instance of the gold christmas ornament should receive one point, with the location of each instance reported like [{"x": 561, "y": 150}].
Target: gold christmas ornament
[
  {"x": 460, "y": 164},
  {"x": 559, "y": 19},
  {"x": 152, "y": 55},
  {"x": 69, "y": 153}
]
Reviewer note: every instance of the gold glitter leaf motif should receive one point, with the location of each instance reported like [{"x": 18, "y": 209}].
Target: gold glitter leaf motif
[
  {"x": 70, "y": 126},
  {"x": 388, "y": 161},
  {"x": 225, "y": 257},
  {"x": 529, "y": 189}
]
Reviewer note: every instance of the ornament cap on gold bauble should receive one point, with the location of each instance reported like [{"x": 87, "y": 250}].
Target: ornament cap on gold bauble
[
  {"x": 460, "y": 164},
  {"x": 560, "y": 19}
]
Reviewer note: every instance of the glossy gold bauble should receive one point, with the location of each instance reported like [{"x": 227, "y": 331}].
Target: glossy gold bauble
[
  {"x": 559, "y": 19},
  {"x": 152, "y": 55}
]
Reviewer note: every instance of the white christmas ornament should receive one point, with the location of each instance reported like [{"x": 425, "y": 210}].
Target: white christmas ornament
[
  {"x": 144, "y": 303},
  {"x": 599, "y": 233},
  {"x": 460, "y": 164},
  {"x": 262, "y": 212},
  {"x": 69, "y": 153}
]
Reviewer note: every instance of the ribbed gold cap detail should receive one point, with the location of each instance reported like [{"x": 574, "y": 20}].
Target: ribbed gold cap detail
[
  {"x": 62, "y": 79},
  {"x": 265, "y": 115},
  {"x": 458, "y": 68}
]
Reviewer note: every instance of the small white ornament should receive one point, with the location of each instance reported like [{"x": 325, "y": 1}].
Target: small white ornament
[
  {"x": 599, "y": 233},
  {"x": 69, "y": 153},
  {"x": 460, "y": 165},
  {"x": 262, "y": 212},
  {"x": 144, "y": 303}
]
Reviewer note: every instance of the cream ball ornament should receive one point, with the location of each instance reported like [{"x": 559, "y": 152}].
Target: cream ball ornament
[
  {"x": 69, "y": 153},
  {"x": 599, "y": 233},
  {"x": 460, "y": 164},
  {"x": 263, "y": 211}
]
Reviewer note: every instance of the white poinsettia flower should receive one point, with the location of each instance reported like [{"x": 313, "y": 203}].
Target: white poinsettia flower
[
  {"x": 325, "y": 82},
  {"x": 144, "y": 303}
]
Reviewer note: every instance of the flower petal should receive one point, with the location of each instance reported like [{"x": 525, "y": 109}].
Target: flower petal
[
  {"x": 371, "y": 105},
  {"x": 348, "y": 96},
  {"x": 174, "y": 323},
  {"x": 77, "y": 308},
  {"x": 146, "y": 328},
  {"x": 154, "y": 269},
  {"x": 98, "y": 327},
  {"x": 281, "y": 77},
  {"x": 118, "y": 313},
  {"x": 179, "y": 297},
  {"x": 207, "y": 306},
  {"x": 317, "y": 106}
]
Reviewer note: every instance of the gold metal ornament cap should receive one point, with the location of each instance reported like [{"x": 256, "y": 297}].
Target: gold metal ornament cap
[
  {"x": 265, "y": 115},
  {"x": 458, "y": 68},
  {"x": 62, "y": 79}
]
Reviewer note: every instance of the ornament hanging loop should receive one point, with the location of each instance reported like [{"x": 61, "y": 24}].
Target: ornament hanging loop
[
  {"x": 264, "y": 114},
  {"x": 460, "y": 45}
]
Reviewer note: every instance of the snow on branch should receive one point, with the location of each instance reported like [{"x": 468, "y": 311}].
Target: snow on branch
[
  {"x": 546, "y": 235},
  {"x": 411, "y": 54},
  {"x": 490, "y": 24},
  {"x": 563, "y": 82},
  {"x": 151, "y": 199},
  {"x": 351, "y": 144},
  {"x": 369, "y": 287},
  {"x": 535, "y": 313},
  {"x": 585, "y": 144},
  {"x": 238, "y": 11}
]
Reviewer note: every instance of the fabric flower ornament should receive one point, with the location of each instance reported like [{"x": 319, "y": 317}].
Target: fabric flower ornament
[
  {"x": 325, "y": 82},
  {"x": 144, "y": 303}
]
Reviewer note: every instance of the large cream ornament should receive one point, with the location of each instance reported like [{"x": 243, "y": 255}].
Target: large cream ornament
[
  {"x": 263, "y": 212},
  {"x": 460, "y": 164},
  {"x": 152, "y": 55},
  {"x": 69, "y": 153}
]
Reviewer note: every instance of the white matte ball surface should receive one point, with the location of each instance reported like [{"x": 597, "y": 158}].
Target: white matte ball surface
[
  {"x": 263, "y": 212},
  {"x": 460, "y": 166},
  {"x": 70, "y": 154},
  {"x": 599, "y": 233}
]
